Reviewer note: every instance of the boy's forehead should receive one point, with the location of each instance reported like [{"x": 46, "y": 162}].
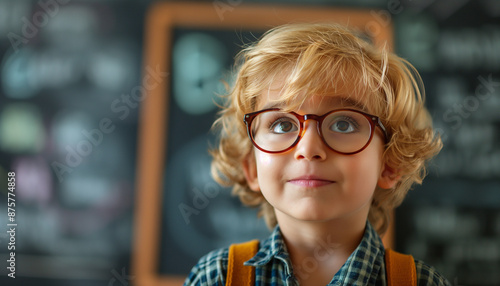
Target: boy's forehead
[
  {"x": 333, "y": 100},
  {"x": 273, "y": 97}
]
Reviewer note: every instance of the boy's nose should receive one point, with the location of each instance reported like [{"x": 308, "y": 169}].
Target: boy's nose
[{"x": 311, "y": 146}]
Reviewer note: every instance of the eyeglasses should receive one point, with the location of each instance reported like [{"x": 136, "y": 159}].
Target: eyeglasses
[{"x": 345, "y": 131}]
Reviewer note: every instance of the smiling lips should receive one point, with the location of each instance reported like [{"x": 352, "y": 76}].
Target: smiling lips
[{"x": 310, "y": 181}]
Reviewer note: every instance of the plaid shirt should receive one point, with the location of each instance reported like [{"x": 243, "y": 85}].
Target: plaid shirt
[{"x": 365, "y": 266}]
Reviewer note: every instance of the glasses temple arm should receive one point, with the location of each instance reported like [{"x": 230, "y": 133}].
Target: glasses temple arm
[{"x": 379, "y": 123}]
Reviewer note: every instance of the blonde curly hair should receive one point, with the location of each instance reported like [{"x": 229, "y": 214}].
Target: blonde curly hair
[{"x": 314, "y": 59}]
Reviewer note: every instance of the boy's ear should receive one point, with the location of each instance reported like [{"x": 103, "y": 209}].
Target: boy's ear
[
  {"x": 389, "y": 177},
  {"x": 250, "y": 171}
]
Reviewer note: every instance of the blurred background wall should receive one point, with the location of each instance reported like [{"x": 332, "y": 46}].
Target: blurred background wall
[{"x": 68, "y": 129}]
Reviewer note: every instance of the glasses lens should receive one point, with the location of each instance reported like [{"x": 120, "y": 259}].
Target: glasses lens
[
  {"x": 346, "y": 131},
  {"x": 275, "y": 131}
]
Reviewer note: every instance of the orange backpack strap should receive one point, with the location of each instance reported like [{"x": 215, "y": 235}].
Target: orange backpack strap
[
  {"x": 237, "y": 273},
  {"x": 400, "y": 269}
]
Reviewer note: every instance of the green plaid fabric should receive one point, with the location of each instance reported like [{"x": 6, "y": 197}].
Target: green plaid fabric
[{"x": 365, "y": 266}]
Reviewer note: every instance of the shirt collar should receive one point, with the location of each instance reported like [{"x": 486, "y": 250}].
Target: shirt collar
[
  {"x": 273, "y": 246},
  {"x": 363, "y": 265}
]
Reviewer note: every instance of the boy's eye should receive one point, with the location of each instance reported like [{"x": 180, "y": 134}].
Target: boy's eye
[
  {"x": 344, "y": 125},
  {"x": 283, "y": 125}
]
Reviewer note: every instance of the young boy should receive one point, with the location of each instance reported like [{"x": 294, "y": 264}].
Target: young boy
[{"x": 326, "y": 134}]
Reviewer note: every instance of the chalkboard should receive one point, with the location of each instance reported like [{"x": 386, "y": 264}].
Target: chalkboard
[
  {"x": 198, "y": 214},
  {"x": 452, "y": 221},
  {"x": 64, "y": 68}
]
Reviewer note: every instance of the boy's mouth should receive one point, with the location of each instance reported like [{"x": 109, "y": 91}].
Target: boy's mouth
[{"x": 310, "y": 181}]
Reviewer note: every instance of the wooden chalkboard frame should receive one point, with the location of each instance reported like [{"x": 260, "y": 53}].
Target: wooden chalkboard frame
[{"x": 160, "y": 21}]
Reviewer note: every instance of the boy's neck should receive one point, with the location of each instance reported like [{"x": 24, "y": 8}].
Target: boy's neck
[
  {"x": 329, "y": 244},
  {"x": 345, "y": 235}
]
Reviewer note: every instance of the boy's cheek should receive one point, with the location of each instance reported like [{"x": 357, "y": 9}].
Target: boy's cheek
[{"x": 263, "y": 159}]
